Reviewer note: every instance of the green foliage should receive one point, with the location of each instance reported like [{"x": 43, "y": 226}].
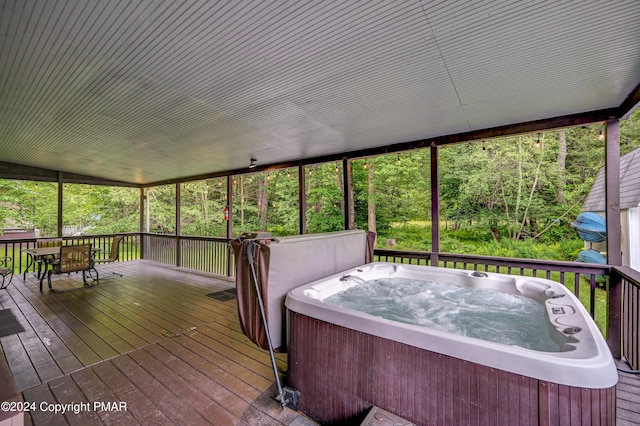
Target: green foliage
[
  {"x": 324, "y": 189},
  {"x": 202, "y": 206},
  {"x": 161, "y": 201},
  {"x": 87, "y": 209}
]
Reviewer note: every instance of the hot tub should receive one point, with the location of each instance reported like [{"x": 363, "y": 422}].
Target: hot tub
[{"x": 344, "y": 361}]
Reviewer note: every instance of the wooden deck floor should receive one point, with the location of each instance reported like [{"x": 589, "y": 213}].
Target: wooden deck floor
[
  {"x": 628, "y": 398},
  {"x": 153, "y": 340}
]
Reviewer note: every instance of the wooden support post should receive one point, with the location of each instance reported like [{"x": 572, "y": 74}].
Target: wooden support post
[
  {"x": 302, "y": 200},
  {"x": 142, "y": 221},
  {"x": 229, "y": 224},
  {"x": 435, "y": 207},
  {"x": 60, "y": 203},
  {"x": 614, "y": 248},
  {"x": 346, "y": 170},
  {"x": 178, "y": 232}
]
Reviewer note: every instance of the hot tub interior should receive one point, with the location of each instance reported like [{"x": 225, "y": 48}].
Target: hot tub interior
[{"x": 482, "y": 313}]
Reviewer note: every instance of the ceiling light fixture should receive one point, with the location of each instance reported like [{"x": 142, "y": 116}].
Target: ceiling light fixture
[{"x": 253, "y": 163}]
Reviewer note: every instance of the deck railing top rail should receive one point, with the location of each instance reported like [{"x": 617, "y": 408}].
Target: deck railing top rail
[{"x": 472, "y": 259}]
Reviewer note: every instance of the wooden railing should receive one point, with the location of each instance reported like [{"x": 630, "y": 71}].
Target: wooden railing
[
  {"x": 202, "y": 254},
  {"x": 211, "y": 255},
  {"x": 630, "y": 315},
  {"x": 160, "y": 248}
]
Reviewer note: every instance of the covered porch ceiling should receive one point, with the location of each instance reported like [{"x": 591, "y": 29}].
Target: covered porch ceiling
[{"x": 158, "y": 91}]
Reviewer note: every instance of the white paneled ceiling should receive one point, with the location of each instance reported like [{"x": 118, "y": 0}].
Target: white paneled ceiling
[{"x": 155, "y": 90}]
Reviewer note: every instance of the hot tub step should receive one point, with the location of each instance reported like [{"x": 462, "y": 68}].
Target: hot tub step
[{"x": 379, "y": 417}]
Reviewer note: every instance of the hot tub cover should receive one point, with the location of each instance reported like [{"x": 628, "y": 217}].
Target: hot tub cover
[{"x": 286, "y": 263}]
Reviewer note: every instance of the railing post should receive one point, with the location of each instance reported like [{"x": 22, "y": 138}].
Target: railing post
[{"x": 614, "y": 314}]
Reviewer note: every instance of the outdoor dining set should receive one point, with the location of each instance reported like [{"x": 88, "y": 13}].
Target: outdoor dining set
[{"x": 51, "y": 256}]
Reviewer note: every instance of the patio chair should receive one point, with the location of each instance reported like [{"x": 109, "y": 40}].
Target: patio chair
[
  {"x": 114, "y": 253},
  {"x": 6, "y": 270},
  {"x": 72, "y": 259}
]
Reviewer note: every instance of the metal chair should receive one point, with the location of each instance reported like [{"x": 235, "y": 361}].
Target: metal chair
[
  {"x": 6, "y": 270},
  {"x": 114, "y": 253},
  {"x": 72, "y": 259}
]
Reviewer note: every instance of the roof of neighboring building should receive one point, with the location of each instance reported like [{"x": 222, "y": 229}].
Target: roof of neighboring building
[{"x": 629, "y": 185}]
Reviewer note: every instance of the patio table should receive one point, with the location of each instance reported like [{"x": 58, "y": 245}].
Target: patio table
[
  {"x": 41, "y": 253},
  {"x": 47, "y": 255}
]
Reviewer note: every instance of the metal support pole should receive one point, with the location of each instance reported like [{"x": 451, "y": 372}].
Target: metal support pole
[{"x": 250, "y": 258}]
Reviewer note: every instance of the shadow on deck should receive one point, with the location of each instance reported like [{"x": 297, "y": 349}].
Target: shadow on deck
[{"x": 151, "y": 340}]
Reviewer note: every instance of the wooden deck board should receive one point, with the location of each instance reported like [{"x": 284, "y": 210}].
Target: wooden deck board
[
  {"x": 182, "y": 389},
  {"x": 42, "y": 394},
  {"x": 65, "y": 391},
  {"x": 174, "y": 407},
  {"x": 628, "y": 398},
  {"x": 141, "y": 407},
  {"x": 78, "y": 348},
  {"x": 151, "y": 339},
  {"x": 38, "y": 328},
  {"x": 154, "y": 340},
  {"x": 95, "y": 390}
]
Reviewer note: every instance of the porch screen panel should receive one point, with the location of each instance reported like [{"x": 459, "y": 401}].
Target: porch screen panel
[
  {"x": 266, "y": 201},
  {"x": 392, "y": 197},
  {"x": 29, "y": 206},
  {"x": 97, "y": 209}
]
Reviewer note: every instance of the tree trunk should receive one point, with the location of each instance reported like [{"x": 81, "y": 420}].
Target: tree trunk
[
  {"x": 562, "y": 162},
  {"x": 205, "y": 206},
  {"x": 352, "y": 204},
  {"x": 341, "y": 186},
  {"x": 371, "y": 205},
  {"x": 263, "y": 203},
  {"x": 241, "y": 191}
]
